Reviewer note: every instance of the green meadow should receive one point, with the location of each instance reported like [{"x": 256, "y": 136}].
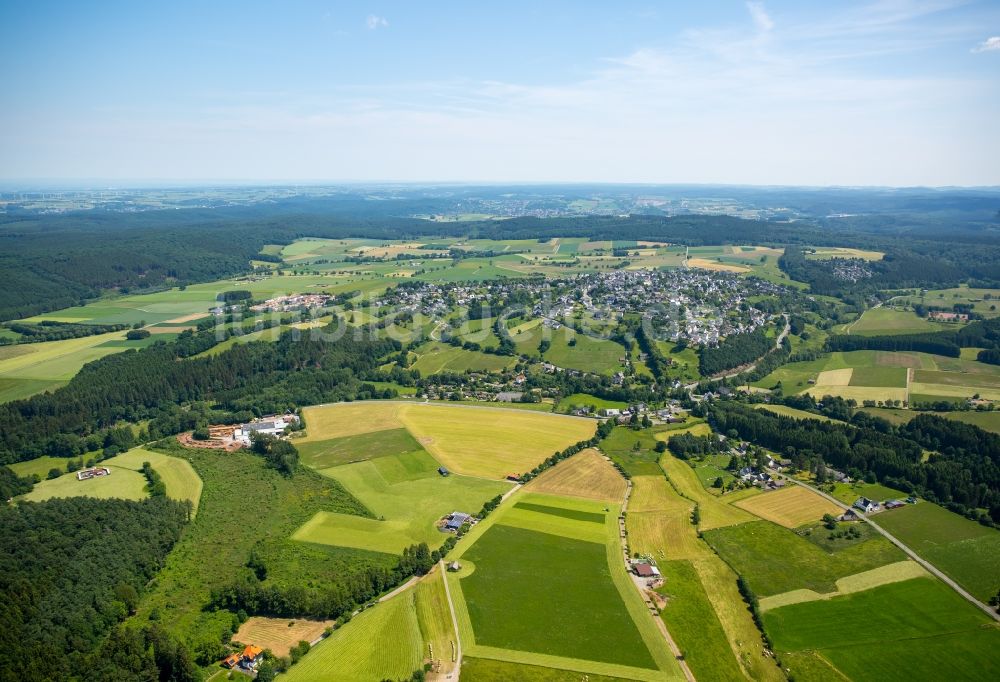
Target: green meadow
[
  {"x": 966, "y": 551},
  {"x": 406, "y": 497},
  {"x": 907, "y": 630},
  {"x": 775, "y": 560}
]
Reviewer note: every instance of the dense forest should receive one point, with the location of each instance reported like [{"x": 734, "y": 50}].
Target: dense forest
[
  {"x": 963, "y": 472},
  {"x": 71, "y": 570},
  {"x": 54, "y": 261},
  {"x": 254, "y": 378},
  {"x": 734, "y": 351}
]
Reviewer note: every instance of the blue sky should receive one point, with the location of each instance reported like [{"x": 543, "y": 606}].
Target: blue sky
[{"x": 894, "y": 92}]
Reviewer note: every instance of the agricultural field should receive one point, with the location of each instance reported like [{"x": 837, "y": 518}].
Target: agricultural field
[
  {"x": 693, "y": 623},
  {"x": 40, "y": 466},
  {"x": 279, "y": 634},
  {"x": 350, "y": 653},
  {"x": 849, "y": 492},
  {"x": 885, "y": 321},
  {"x": 791, "y": 507},
  {"x": 475, "y": 441},
  {"x": 434, "y": 357},
  {"x": 966, "y": 551},
  {"x": 885, "y": 376},
  {"x": 751, "y": 548},
  {"x": 659, "y": 525},
  {"x": 714, "y": 511},
  {"x": 321, "y": 454},
  {"x": 567, "y": 403},
  {"x": 786, "y": 411},
  {"x": 986, "y": 420},
  {"x": 492, "y": 442},
  {"x": 31, "y": 368},
  {"x": 122, "y": 483},
  {"x": 491, "y": 670},
  {"x": 436, "y": 625},
  {"x": 983, "y": 301},
  {"x": 912, "y": 630},
  {"x": 586, "y": 474},
  {"x": 828, "y": 252},
  {"x": 592, "y": 615},
  {"x": 858, "y": 582},
  {"x": 180, "y": 478},
  {"x": 406, "y": 496}
]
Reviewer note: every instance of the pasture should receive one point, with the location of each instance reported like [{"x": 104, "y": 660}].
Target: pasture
[
  {"x": 180, "y": 478},
  {"x": 569, "y": 402},
  {"x": 849, "y": 492},
  {"x": 321, "y": 454},
  {"x": 659, "y": 524},
  {"x": 435, "y": 357},
  {"x": 586, "y": 474},
  {"x": 594, "y": 620},
  {"x": 866, "y": 580},
  {"x": 751, "y": 549},
  {"x": 349, "y": 654},
  {"x": 885, "y": 321},
  {"x": 912, "y": 629},
  {"x": 791, "y": 507},
  {"x": 715, "y": 513},
  {"x": 966, "y": 551},
  {"x": 492, "y": 670},
  {"x": 40, "y": 466},
  {"x": 122, "y": 483},
  {"x": 279, "y": 634},
  {"x": 694, "y": 625},
  {"x": 325, "y": 422},
  {"x": 406, "y": 496},
  {"x": 578, "y": 606}
]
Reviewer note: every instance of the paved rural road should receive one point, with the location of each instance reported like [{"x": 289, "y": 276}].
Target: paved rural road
[
  {"x": 913, "y": 555},
  {"x": 454, "y": 620},
  {"x": 674, "y": 649}
]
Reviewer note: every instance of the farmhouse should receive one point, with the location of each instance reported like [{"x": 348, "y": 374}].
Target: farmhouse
[
  {"x": 248, "y": 659},
  {"x": 866, "y": 505},
  {"x": 456, "y": 520},
  {"x": 84, "y": 474}
]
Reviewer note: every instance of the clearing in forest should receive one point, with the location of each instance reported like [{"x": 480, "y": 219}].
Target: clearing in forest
[
  {"x": 279, "y": 634},
  {"x": 585, "y": 474}
]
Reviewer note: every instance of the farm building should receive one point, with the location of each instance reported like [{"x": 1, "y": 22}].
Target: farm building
[
  {"x": 273, "y": 426},
  {"x": 454, "y": 566},
  {"x": 866, "y": 505},
  {"x": 442, "y": 471},
  {"x": 456, "y": 520},
  {"x": 644, "y": 570},
  {"x": 84, "y": 474}
]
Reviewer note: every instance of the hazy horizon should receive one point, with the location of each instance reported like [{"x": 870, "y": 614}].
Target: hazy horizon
[{"x": 890, "y": 93}]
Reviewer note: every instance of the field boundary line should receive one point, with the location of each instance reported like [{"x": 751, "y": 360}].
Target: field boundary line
[
  {"x": 454, "y": 619},
  {"x": 909, "y": 552}
]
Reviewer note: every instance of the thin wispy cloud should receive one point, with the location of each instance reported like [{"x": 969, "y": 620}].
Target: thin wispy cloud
[
  {"x": 374, "y": 22},
  {"x": 991, "y": 44},
  {"x": 760, "y": 16}
]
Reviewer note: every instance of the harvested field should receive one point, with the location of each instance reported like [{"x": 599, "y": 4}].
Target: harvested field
[
  {"x": 279, "y": 634},
  {"x": 587, "y": 474},
  {"x": 835, "y": 377},
  {"x": 348, "y": 419},
  {"x": 186, "y": 318},
  {"x": 790, "y": 507},
  {"x": 883, "y": 575},
  {"x": 492, "y": 442},
  {"x": 706, "y": 264}
]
